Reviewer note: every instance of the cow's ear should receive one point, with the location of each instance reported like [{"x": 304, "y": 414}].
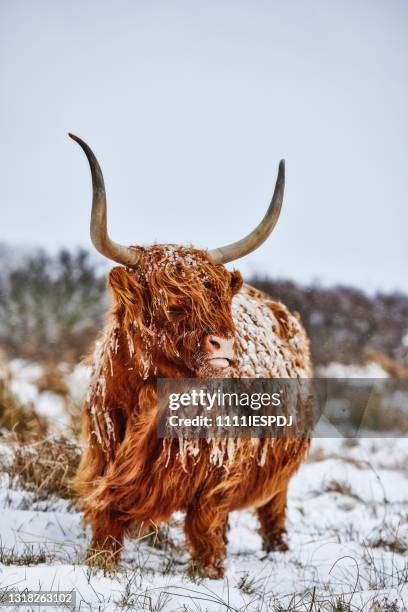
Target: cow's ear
[
  {"x": 236, "y": 281},
  {"x": 126, "y": 291}
]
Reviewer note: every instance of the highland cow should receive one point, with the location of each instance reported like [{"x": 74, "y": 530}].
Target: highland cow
[{"x": 178, "y": 312}]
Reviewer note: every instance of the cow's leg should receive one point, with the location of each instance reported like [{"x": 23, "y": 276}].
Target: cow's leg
[
  {"x": 272, "y": 520},
  {"x": 107, "y": 540},
  {"x": 205, "y": 527}
]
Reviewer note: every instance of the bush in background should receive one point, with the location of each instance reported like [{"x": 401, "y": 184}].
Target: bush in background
[
  {"x": 51, "y": 307},
  {"x": 345, "y": 324}
]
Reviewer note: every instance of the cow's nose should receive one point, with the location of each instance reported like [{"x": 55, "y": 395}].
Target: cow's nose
[{"x": 216, "y": 347}]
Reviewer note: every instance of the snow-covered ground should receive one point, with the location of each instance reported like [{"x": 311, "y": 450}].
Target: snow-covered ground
[{"x": 347, "y": 531}]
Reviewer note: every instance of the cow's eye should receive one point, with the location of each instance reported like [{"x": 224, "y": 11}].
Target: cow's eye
[
  {"x": 175, "y": 312},
  {"x": 207, "y": 284}
]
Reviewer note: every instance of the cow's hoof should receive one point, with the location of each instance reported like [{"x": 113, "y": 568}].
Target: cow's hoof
[
  {"x": 215, "y": 572},
  {"x": 275, "y": 544}
]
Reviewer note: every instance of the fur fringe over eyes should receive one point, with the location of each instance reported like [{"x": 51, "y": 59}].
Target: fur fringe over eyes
[{"x": 172, "y": 300}]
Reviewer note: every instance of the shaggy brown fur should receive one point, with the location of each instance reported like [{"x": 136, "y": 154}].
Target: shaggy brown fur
[{"x": 128, "y": 477}]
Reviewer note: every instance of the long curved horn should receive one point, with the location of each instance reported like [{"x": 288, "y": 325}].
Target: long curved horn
[
  {"x": 99, "y": 230},
  {"x": 252, "y": 241}
]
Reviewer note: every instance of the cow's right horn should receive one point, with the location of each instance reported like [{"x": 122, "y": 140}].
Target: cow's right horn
[{"x": 99, "y": 230}]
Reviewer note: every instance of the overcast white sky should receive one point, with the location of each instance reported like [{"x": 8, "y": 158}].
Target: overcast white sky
[{"x": 190, "y": 105}]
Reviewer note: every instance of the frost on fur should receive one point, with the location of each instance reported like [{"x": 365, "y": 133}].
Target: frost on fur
[{"x": 161, "y": 313}]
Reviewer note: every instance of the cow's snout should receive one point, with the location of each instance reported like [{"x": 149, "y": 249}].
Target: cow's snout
[{"x": 218, "y": 351}]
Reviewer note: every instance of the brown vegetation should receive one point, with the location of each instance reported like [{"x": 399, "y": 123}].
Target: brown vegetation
[
  {"x": 23, "y": 421},
  {"x": 45, "y": 467}
]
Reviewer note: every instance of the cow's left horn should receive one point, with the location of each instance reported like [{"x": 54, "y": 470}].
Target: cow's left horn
[
  {"x": 99, "y": 230},
  {"x": 238, "y": 249}
]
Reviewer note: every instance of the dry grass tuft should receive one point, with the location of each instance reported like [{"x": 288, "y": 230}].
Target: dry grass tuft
[
  {"x": 158, "y": 537},
  {"x": 23, "y": 421},
  {"x": 53, "y": 380},
  {"x": 392, "y": 542},
  {"x": 394, "y": 368},
  {"x": 30, "y": 556},
  {"x": 45, "y": 467},
  {"x": 343, "y": 488}
]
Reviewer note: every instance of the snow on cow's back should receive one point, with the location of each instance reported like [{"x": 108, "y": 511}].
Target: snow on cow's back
[{"x": 271, "y": 342}]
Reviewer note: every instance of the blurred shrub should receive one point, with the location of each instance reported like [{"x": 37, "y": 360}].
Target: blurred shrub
[
  {"x": 345, "y": 324},
  {"x": 51, "y": 307}
]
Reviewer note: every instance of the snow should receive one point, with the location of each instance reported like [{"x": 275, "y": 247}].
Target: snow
[
  {"x": 22, "y": 375},
  {"x": 340, "y": 542},
  {"x": 341, "y": 370},
  {"x": 52, "y": 405},
  {"x": 347, "y": 532},
  {"x": 256, "y": 319},
  {"x": 78, "y": 382}
]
